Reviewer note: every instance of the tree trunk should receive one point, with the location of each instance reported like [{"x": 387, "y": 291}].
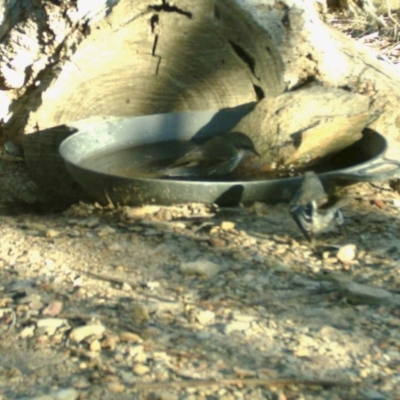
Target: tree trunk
[{"x": 143, "y": 58}]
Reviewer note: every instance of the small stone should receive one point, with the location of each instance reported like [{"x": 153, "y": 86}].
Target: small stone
[
  {"x": 137, "y": 353},
  {"x": 217, "y": 242},
  {"x": 115, "y": 247},
  {"x": 227, "y": 225},
  {"x": 27, "y": 332},
  {"x": 126, "y": 287},
  {"x": 152, "y": 285},
  {"x": 127, "y": 377},
  {"x": 110, "y": 343},
  {"x": 43, "y": 339},
  {"x": 140, "y": 313},
  {"x": 50, "y": 325},
  {"x": 116, "y": 387},
  {"x": 302, "y": 352},
  {"x": 52, "y": 233},
  {"x": 244, "y": 317},
  {"x": 140, "y": 369},
  {"x": 200, "y": 267},
  {"x": 82, "y": 332},
  {"x": 396, "y": 203},
  {"x": 53, "y": 309},
  {"x": 347, "y": 253},
  {"x": 36, "y": 304},
  {"x": 81, "y": 383},
  {"x": 205, "y": 317},
  {"x": 378, "y": 202},
  {"x": 140, "y": 212},
  {"x": 244, "y": 373},
  {"x": 105, "y": 231},
  {"x": 95, "y": 346},
  {"x": 130, "y": 337},
  {"x": 236, "y": 326}
]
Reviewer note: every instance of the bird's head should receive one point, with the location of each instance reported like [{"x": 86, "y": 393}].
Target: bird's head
[{"x": 243, "y": 143}]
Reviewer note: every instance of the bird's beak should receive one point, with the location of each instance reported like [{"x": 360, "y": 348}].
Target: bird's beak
[{"x": 256, "y": 152}]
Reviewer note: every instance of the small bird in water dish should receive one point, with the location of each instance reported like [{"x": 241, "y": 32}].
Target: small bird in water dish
[
  {"x": 311, "y": 209},
  {"x": 219, "y": 156}
]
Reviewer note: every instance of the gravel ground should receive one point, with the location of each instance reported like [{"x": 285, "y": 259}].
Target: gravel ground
[{"x": 196, "y": 302}]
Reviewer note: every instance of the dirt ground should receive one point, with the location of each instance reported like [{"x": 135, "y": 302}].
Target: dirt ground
[{"x": 197, "y": 302}]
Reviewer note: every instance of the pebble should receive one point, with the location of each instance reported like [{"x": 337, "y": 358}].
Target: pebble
[
  {"x": 396, "y": 203},
  {"x": 205, "y": 317},
  {"x": 130, "y": 337},
  {"x": 27, "y": 332},
  {"x": 217, "y": 242},
  {"x": 50, "y": 325},
  {"x": 244, "y": 317},
  {"x": 115, "y": 387},
  {"x": 115, "y": 247},
  {"x": 53, "y": 309},
  {"x": 200, "y": 267},
  {"x": 347, "y": 253},
  {"x": 137, "y": 353},
  {"x": 227, "y": 225},
  {"x": 236, "y": 326},
  {"x": 109, "y": 343},
  {"x": 95, "y": 346},
  {"x": 52, "y": 233},
  {"x": 152, "y": 285},
  {"x": 105, "y": 231},
  {"x": 140, "y": 313},
  {"x": 140, "y": 212},
  {"x": 140, "y": 369},
  {"x": 82, "y": 332}
]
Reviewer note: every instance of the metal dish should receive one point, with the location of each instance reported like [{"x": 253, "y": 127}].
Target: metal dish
[{"x": 99, "y": 156}]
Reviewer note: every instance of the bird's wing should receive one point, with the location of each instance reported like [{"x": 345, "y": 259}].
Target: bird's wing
[{"x": 191, "y": 159}]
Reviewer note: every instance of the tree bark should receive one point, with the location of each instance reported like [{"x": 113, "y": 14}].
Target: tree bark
[{"x": 149, "y": 57}]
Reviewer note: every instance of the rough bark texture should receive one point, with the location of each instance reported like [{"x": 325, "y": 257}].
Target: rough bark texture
[
  {"x": 150, "y": 57},
  {"x": 305, "y": 125},
  {"x": 311, "y": 50}
]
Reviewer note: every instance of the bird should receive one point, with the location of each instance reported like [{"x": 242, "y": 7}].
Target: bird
[
  {"x": 312, "y": 209},
  {"x": 218, "y": 156}
]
